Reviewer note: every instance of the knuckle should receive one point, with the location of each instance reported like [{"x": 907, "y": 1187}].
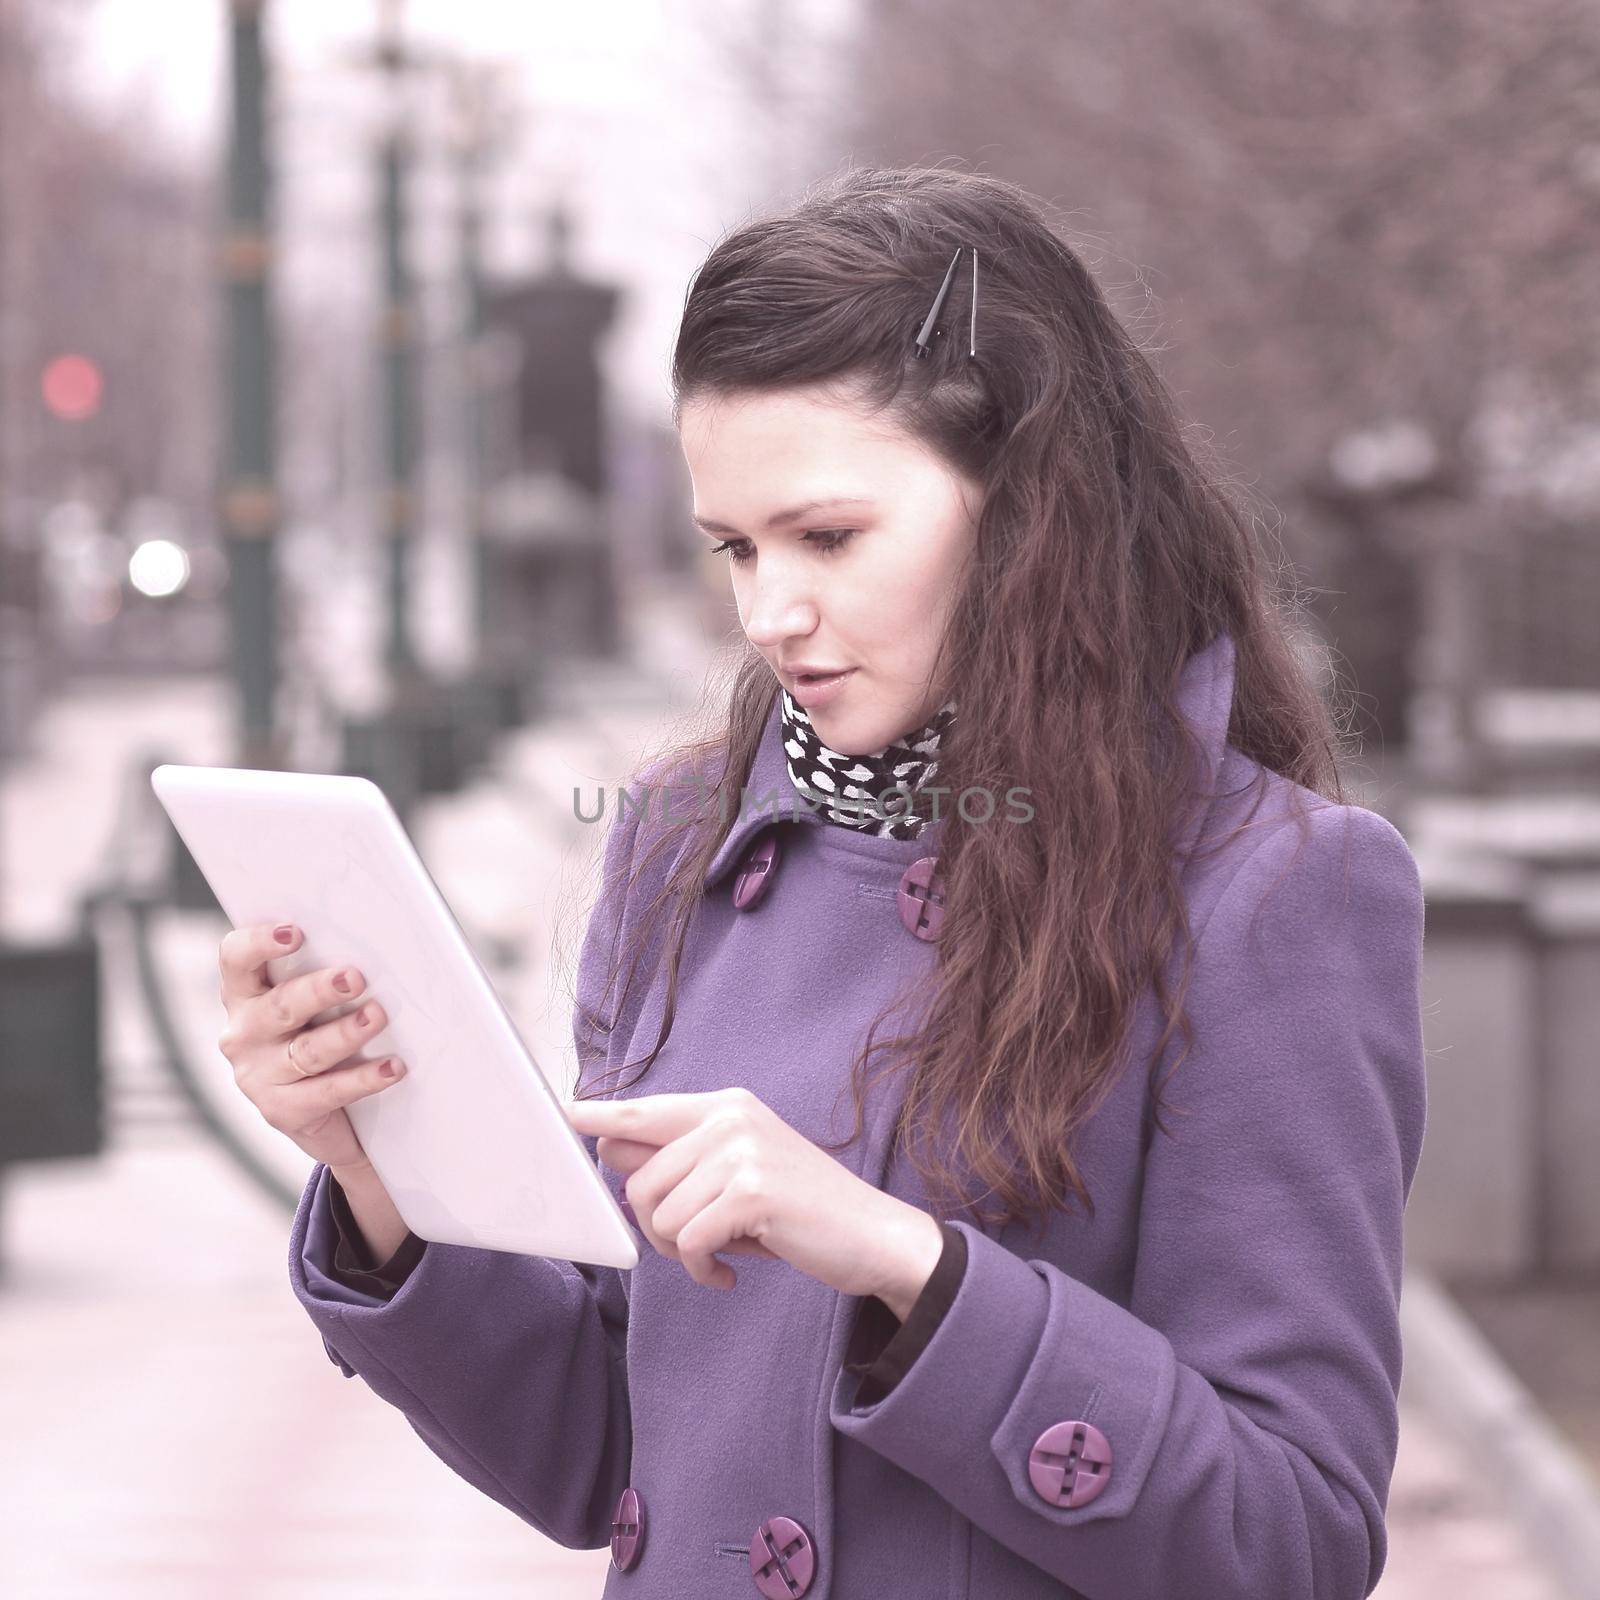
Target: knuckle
[
  {"x": 328, "y": 1095},
  {"x": 744, "y": 1182},
  {"x": 738, "y": 1110},
  {"x": 281, "y": 1009},
  {"x": 745, "y": 1151}
]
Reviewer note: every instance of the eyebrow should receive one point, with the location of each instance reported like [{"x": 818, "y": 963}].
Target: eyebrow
[{"x": 793, "y": 514}]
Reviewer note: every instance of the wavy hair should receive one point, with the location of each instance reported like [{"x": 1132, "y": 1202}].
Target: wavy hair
[{"x": 1109, "y": 547}]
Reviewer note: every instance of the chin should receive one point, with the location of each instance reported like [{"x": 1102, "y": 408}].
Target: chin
[
  {"x": 836, "y": 731},
  {"x": 849, "y": 735}
]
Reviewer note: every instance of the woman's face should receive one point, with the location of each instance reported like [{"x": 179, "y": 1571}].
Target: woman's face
[{"x": 864, "y": 583}]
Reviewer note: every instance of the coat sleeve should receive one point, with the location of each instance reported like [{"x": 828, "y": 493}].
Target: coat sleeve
[
  {"x": 511, "y": 1368},
  {"x": 352, "y": 1262},
  {"x": 883, "y": 1348},
  {"x": 1248, "y": 1392}
]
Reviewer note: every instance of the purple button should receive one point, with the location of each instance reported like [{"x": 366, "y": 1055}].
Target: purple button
[
  {"x": 781, "y": 1559},
  {"x": 627, "y": 1530},
  {"x": 922, "y": 897},
  {"x": 756, "y": 872},
  {"x": 1070, "y": 1463}
]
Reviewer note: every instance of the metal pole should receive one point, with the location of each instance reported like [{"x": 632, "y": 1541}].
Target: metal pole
[
  {"x": 6, "y": 487},
  {"x": 473, "y": 398},
  {"x": 1448, "y": 750},
  {"x": 250, "y": 507},
  {"x": 398, "y": 339}
]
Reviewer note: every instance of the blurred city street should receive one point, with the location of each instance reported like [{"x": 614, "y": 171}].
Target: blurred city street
[{"x": 174, "y": 1428}]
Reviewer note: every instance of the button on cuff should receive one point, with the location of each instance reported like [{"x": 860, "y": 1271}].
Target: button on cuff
[{"x": 1070, "y": 1463}]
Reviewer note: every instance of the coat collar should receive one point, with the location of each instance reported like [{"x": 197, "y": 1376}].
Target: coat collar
[
  {"x": 1205, "y": 701},
  {"x": 770, "y": 796}
]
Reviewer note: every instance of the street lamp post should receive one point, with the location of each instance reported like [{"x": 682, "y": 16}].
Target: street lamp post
[
  {"x": 501, "y": 688},
  {"x": 250, "y": 506},
  {"x": 398, "y": 330},
  {"x": 408, "y": 749}
]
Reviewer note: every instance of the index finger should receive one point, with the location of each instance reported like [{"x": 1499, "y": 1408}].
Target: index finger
[
  {"x": 244, "y": 955},
  {"x": 647, "y": 1118}
]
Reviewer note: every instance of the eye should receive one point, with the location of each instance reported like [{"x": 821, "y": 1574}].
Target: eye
[
  {"x": 827, "y": 541},
  {"x": 831, "y": 539}
]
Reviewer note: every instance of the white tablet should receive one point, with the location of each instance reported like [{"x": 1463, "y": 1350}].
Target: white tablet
[{"x": 472, "y": 1143}]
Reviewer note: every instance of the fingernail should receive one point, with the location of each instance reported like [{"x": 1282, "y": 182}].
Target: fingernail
[
  {"x": 390, "y": 1069},
  {"x": 341, "y": 982},
  {"x": 284, "y": 934}
]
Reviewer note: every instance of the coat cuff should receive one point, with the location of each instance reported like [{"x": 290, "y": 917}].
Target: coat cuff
[
  {"x": 352, "y": 1263},
  {"x": 882, "y": 1348},
  {"x": 1053, "y": 1350}
]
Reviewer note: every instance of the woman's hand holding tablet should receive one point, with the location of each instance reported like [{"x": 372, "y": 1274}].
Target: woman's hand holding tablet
[
  {"x": 295, "y": 1075},
  {"x": 472, "y": 1147}
]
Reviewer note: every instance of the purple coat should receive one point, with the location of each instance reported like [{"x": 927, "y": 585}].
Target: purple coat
[{"x": 1191, "y": 1397}]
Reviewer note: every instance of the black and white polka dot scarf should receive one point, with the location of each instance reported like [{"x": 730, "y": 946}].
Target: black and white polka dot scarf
[{"x": 850, "y": 790}]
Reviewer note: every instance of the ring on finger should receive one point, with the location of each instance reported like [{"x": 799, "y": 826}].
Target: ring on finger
[{"x": 300, "y": 1071}]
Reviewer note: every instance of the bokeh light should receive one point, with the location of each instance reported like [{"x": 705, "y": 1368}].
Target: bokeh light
[
  {"x": 158, "y": 567},
  {"x": 72, "y": 387}
]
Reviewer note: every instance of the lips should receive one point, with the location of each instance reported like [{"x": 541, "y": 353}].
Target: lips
[
  {"x": 817, "y": 691},
  {"x": 820, "y": 677}
]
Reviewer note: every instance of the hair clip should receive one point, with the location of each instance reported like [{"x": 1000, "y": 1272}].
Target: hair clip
[{"x": 924, "y": 340}]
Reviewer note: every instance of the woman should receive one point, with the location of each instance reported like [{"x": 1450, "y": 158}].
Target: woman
[{"x": 1045, "y": 894}]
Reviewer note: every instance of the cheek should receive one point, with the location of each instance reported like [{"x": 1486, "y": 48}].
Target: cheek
[{"x": 917, "y": 603}]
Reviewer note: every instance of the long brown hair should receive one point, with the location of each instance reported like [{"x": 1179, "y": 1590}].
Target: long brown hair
[{"x": 1109, "y": 548}]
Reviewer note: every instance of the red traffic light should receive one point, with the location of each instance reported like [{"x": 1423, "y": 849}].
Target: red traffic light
[{"x": 72, "y": 387}]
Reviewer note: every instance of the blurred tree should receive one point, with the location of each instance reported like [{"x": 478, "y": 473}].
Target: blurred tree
[
  {"x": 1351, "y": 207},
  {"x": 106, "y": 250},
  {"x": 1353, "y": 213}
]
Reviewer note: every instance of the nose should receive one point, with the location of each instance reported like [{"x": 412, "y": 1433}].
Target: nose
[{"x": 779, "y": 605}]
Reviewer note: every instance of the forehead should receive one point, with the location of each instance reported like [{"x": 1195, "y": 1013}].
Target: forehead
[{"x": 794, "y": 432}]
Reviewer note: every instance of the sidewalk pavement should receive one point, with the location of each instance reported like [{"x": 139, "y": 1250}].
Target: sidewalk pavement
[{"x": 173, "y": 1426}]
